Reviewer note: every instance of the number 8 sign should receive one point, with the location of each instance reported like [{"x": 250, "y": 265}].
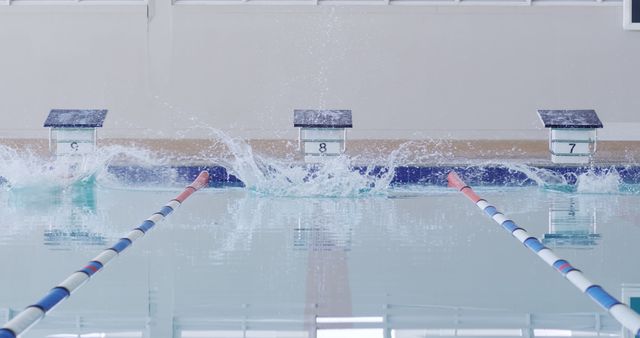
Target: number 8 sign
[{"x": 323, "y": 148}]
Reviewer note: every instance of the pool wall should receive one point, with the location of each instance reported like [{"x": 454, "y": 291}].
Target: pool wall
[
  {"x": 459, "y": 71},
  {"x": 492, "y": 175}
]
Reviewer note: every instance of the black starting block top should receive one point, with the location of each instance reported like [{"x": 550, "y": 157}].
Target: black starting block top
[
  {"x": 76, "y": 118},
  {"x": 566, "y": 119},
  {"x": 322, "y": 118}
]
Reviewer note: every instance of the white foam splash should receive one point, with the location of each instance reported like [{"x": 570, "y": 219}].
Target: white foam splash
[
  {"x": 370, "y": 173},
  {"x": 335, "y": 177},
  {"x": 606, "y": 182},
  {"x": 542, "y": 177},
  {"x": 25, "y": 169}
]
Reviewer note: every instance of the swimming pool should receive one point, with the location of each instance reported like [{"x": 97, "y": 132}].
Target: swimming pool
[{"x": 413, "y": 261}]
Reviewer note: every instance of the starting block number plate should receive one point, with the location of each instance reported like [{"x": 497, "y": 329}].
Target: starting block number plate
[
  {"x": 577, "y": 148},
  {"x": 74, "y": 148},
  {"x": 323, "y": 148}
]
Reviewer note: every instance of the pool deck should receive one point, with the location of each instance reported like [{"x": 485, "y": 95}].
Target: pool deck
[
  {"x": 414, "y": 152},
  {"x": 425, "y": 162}
]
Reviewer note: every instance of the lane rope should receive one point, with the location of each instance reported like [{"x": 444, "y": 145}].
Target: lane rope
[
  {"x": 34, "y": 313},
  {"x": 618, "y": 310}
]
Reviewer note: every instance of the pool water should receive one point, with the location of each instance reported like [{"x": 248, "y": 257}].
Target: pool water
[{"x": 414, "y": 261}]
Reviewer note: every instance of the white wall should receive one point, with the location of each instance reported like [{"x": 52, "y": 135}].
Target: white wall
[{"x": 405, "y": 71}]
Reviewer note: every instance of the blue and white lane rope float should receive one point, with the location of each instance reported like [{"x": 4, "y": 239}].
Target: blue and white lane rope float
[
  {"x": 33, "y": 313},
  {"x": 620, "y": 311}
]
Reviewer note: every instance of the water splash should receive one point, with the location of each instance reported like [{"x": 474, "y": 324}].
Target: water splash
[
  {"x": 26, "y": 169},
  {"x": 282, "y": 172},
  {"x": 605, "y": 182},
  {"x": 334, "y": 177},
  {"x": 542, "y": 177}
]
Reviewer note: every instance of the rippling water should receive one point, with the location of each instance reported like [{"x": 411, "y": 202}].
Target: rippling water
[
  {"x": 300, "y": 242},
  {"x": 422, "y": 258}
]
